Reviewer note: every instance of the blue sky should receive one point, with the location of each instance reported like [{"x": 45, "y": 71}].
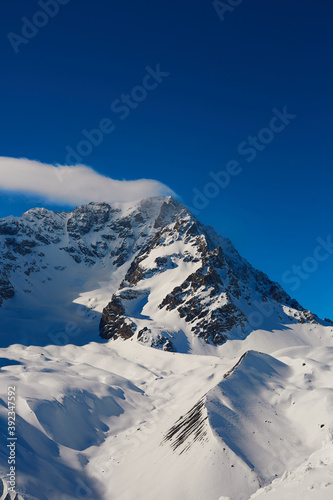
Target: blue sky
[{"x": 225, "y": 78}]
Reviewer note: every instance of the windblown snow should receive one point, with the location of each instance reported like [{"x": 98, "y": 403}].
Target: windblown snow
[{"x": 208, "y": 380}]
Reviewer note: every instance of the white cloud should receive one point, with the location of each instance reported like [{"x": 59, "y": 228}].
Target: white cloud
[{"x": 72, "y": 185}]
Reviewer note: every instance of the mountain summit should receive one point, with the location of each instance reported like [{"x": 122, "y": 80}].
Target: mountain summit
[{"x": 150, "y": 272}]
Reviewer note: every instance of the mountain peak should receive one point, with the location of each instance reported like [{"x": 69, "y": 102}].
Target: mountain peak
[{"x": 149, "y": 271}]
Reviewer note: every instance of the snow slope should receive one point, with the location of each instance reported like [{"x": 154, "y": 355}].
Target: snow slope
[{"x": 90, "y": 417}]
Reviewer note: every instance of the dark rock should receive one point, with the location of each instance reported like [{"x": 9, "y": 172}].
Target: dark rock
[
  {"x": 113, "y": 323},
  {"x": 9, "y": 229},
  {"x": 21, "y": 247},
  {"x": 7, "y": 290}
]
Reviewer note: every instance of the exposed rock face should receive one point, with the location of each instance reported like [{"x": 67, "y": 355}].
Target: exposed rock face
[
  {"x": 160, "y": 341},
  {"x": 114, "y": 323},
  {"x": 192, "y": 305},
  {"x": 188, "y": 429},
  {"x": 176, "y": 280},
  {"x": 6, "y": 290}
]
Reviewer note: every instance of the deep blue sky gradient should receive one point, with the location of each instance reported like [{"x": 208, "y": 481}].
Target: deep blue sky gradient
[{"x": 225, "y": 79}]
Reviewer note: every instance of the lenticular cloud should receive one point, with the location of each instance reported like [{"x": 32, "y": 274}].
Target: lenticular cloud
[{"x": 72, "y": 184}]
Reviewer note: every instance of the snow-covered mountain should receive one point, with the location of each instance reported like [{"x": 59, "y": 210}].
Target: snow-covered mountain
[
  {"x": 233, "y": 401},
  {"x": 152, "y": 270}
]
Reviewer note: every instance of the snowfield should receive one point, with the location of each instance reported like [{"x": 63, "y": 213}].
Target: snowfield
[
  {"x": 191, "y": 401},
  {"x": 93, "y": 420}
]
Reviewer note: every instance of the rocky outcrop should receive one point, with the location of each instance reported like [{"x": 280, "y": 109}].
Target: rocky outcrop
[
  {"x": 7, "y": 290},
  {"x": 190, "y": 428},
  {"x": 190, "y": 299},
  {"x": 114, "y": 323},
  {"x": 159, "y": 341}
]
